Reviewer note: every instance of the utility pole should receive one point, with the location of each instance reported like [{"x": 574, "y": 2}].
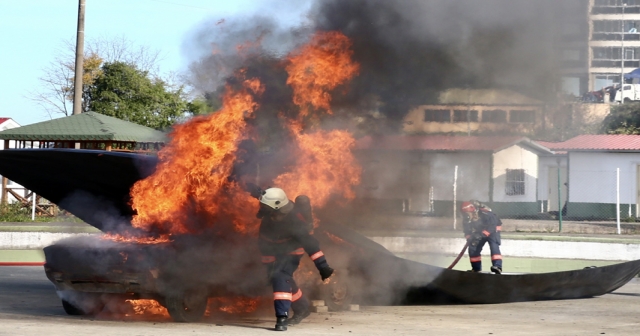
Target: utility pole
[{"x": 79, "y": 71}]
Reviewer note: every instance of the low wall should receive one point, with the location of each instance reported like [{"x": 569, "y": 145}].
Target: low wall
[
  {"x": 517, "y": 248},
  {"x": 32, "y": 240}
]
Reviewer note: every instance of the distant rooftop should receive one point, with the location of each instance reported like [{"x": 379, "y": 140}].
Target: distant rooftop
[
  {"x": 601, "y": 142},
  {"x": 443, "y": 143}
]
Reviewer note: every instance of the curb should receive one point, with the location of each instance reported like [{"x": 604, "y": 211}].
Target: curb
[{"x": 21, "y": 263}]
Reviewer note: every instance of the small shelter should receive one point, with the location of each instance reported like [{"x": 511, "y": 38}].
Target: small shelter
[{"x": 89, "y": 130}]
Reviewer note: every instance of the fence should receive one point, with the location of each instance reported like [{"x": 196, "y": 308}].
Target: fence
[{"x": 592, "y": 195}]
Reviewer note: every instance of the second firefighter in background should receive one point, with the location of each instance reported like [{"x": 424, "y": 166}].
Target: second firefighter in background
[
  {"x": 482, "y": 226},
  {"x": 285, "y": 236}
]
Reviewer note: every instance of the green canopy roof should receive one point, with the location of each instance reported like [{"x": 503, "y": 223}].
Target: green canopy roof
[{"x": 88, "y": 126}]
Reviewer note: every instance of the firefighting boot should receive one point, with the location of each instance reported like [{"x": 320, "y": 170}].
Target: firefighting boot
[
  {"x": 496, "y": 269},
  {"x": 281, "y": 323},
  {"x": 299, "y": 316}
]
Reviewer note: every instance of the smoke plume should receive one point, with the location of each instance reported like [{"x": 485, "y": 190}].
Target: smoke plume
[{"x": 408, "y": 51}]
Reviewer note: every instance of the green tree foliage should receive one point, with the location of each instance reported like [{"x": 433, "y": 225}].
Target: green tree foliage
[
  {"x": 123, "y": 91},
  {"x": 623, "y": 119}
]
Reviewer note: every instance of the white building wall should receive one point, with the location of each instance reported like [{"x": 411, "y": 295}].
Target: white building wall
[
  {"x": 515, "y": 157},
  {"x": 473, "y": 175},
  {"x": 592, "y": 177},
  {"x": 546, "y": 163}
]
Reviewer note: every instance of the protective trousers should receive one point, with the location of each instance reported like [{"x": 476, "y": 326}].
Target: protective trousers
[
  {"x": 494, "y": 245},
  {"x": 286, "y": 293}
]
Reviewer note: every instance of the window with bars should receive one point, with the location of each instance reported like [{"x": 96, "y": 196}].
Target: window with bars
[
  {"x": 494, "y": 116},
  {"x": 437, "y": 115},
  {"x": 514, "y": 184},
  {"x": 461, "y": 116}
]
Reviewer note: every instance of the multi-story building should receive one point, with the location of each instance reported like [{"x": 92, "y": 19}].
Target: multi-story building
[{"x": 614, "y": 41}]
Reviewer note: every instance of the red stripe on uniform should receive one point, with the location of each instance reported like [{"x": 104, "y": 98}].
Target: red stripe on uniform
[
  {"x": 475, "y": 259},
  {"x": 316, "y": 255},
  {"x": 299, "y": 251},
  {"x": 281, "y": 296},
  {"x": 297, "y": 295},
  {"x": 496, "y": 257}
]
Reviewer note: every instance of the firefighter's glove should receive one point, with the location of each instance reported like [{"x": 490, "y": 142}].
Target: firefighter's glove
[{"x": 326, "y": 272}]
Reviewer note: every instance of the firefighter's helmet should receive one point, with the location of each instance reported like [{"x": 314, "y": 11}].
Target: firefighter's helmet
[
  {"x": 468, "y": 207},
  {"x": 275, "y": 198}
]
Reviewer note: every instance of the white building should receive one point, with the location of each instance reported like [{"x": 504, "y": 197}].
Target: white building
[
  {"x": 417, "y": 174},
  {"x": 601, "y": 168}
]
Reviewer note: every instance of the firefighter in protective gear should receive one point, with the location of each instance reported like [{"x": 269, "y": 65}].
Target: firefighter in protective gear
[
  {"x": 481, "y": 225},
  {"x": 285, "y": 236}
]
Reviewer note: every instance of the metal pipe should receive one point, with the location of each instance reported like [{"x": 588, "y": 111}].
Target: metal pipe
[
  {"x": 618, "y": 199},
  {"x": 559, "y": 200},
  {"x": 455, "y": 201}
]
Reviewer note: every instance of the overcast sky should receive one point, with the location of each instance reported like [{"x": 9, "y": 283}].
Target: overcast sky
[{"x": 32, "y": 30}]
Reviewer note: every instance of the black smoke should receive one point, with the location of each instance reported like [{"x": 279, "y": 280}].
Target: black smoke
[{"x": 409, "y": 51}]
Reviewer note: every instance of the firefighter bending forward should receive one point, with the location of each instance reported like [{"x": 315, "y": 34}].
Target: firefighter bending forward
[
  {"x": 285, "y": 235},
  {"x": 482, "y": 226}
]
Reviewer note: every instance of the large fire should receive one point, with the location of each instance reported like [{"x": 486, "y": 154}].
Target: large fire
[
  {"x": 192, "y": 175},
  {"x": 191, "y": 186},
  {"x": 194, "y": 166}
]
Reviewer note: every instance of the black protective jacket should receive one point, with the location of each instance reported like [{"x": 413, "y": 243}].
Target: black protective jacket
[
  {"x": 488, "y": 223},
  {"x": 289, "y": 237}
]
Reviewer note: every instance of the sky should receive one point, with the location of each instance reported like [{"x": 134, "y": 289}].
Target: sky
[{"x": 33, "y": 31}]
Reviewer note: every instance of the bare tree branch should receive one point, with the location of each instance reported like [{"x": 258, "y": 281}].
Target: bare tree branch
[{"x": 55, "y": 94}]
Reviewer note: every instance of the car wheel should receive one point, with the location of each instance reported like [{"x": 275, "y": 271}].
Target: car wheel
[
  {"x": 186, "y": 308},
  {"x": 82, "y": 304},
  {"x": 337, "y": 294}
]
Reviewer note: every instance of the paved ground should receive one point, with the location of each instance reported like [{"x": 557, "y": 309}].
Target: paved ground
[{"x": 29, "y": 306}]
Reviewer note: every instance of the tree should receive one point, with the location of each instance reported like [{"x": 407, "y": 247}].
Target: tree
[
  {"x": 56, "y": 93},
  {"x": 123, "y": 91},
  {"x": 623, "y": 119}
]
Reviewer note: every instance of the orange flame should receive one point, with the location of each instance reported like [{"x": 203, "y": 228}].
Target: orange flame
[
  {"x": 191, "y": 176},
  {"x": 135, "y": 239},
  {"x": 147, "y": 307},
  {"x": 233, "y": 305},
  {"x": 325, "y": 164},
  {"x": 194, "y": 167},
  {"x": 318, "y": 67}
]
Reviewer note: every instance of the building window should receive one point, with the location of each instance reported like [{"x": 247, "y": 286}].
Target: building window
[
  {"x": 522, "y": 116},
  {"x": 515, "y": 182},
  {"x": 461, "y": 116},
  {"x": 494, "y": 116},
  {"x": 437, "y": 115},
  {"x": 615, "y": 6}
]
